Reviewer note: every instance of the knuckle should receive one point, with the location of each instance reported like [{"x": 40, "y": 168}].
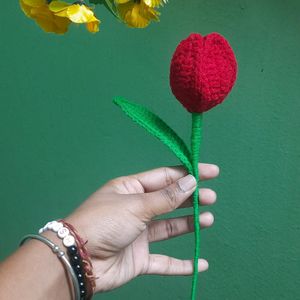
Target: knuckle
[
  {"x": 148, "y": 266},
  {"x": 169, "y": 265},
  {"x": 171, "y": 228},
  {"x": 190, "y": 223},
  {"x": 178, "y": 188},
  {"x": 167, "y": 176},
  {"x": 115, "y": 181},
  {"x": 126, "y": 184},
  {"x": 113, "y": 184},
  {"x": 170, "y": 195}
]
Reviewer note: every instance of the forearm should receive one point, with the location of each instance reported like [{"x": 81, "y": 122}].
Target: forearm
[{"x": 35, "y": 272}]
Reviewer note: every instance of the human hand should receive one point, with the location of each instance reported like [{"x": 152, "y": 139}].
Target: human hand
[{"x": 117, "y": 221}]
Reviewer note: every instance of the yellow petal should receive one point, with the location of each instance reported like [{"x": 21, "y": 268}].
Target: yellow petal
[
  {"x": 137, "y": 15},
  {"x": 79, "y": 13},
  {"x": 56, "y": 6},
  {"x": 41, "y": 12},
  {"x": 93, "y": 25},
  {"x": 121, "y": 1},
  {"x": 62, "y": 24},
  {"x": 45, "y": 24},
  {"x": 57, "y": 16},
  {"x": 48, "y": 21},
  {"x": 49, "y": 25},
  {"x": 153, "y": 3},
  {"x": 76, "y": 13},
  {"x": 35, "y": 3},
  {"x": 25, "y": 8},
  {"x": 149, "y": 13}
]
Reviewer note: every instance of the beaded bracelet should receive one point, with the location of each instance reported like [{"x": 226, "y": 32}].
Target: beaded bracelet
[
  {"x": 61, "y": 255},
  {"x": 75, "y": 258},
  {"x": 87, "y": 264}
]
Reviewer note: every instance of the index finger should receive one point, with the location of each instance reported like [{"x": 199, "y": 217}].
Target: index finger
[{"x": 159, "y": 178}]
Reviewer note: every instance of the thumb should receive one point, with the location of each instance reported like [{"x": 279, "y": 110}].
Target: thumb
[{"x": 170, "y": 197}]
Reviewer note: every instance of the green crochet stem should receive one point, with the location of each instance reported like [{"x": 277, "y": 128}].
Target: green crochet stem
[
  {"x": 195, "y": 149},
  {"x": 190, "y": 159}
]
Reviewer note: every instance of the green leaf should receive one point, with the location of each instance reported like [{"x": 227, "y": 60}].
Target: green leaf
[
  {"x": 101, "y": 2},
  {"x": 109, "y": 4},
  {"x": 97, "y": 1},
  {"x": 157, "y": 127}
]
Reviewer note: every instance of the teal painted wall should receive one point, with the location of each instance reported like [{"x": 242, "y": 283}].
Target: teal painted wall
[{"x": 61, "y": 137}]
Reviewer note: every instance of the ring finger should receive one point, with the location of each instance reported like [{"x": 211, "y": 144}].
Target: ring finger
[
  {"x": 160, "y": 230},
  {"x": 206, "y": 197}
]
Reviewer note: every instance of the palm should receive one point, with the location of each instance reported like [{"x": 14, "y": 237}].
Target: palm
[
  {"x": 129, "y": 262},
  {"x": 121, "y": 213},
  {"x": 128, "y": 244}
]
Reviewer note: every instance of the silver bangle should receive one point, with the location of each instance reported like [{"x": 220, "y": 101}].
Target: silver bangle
[{"x": 61, "y": 255}]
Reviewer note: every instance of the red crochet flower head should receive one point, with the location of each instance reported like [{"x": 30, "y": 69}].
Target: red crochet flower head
[{"x": 203, "y": 71}]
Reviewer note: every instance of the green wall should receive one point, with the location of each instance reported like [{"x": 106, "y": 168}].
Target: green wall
[{"x": 61, "y": 137}]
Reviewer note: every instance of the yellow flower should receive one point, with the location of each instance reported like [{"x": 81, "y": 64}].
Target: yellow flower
[
  {"x": 56, "y": 16},
  {"x": 39, "y": 11},
  {"x": 155, "y": 3},
  {"x": 76, "y": 13},
  {"x": 138, "y": 13}
]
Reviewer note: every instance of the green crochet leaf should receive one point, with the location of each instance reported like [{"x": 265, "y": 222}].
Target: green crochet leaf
[{"x": 157, "y": 127}]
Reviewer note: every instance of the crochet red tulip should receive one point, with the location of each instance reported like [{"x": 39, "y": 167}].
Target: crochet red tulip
[{"x": 203, "y": 71}]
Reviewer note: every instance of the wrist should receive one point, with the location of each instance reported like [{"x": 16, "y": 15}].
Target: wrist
[
  {"x": 83, "y": 230},
  {"x": 78, "y": 262},
  {"x": 34, "y": 272}
]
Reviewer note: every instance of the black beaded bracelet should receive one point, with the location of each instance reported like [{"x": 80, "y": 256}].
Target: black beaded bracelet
[{"x": 76, "y": 263}]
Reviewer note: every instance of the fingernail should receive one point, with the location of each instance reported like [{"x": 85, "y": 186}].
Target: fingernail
[
  {"x": 187, "y": 183},
  {"x": 202, "y": 265},
  {"x": 215, "y": 169}
]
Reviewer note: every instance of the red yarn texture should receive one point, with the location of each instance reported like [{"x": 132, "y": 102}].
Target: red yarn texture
[{"x": 203, "y": 71}]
